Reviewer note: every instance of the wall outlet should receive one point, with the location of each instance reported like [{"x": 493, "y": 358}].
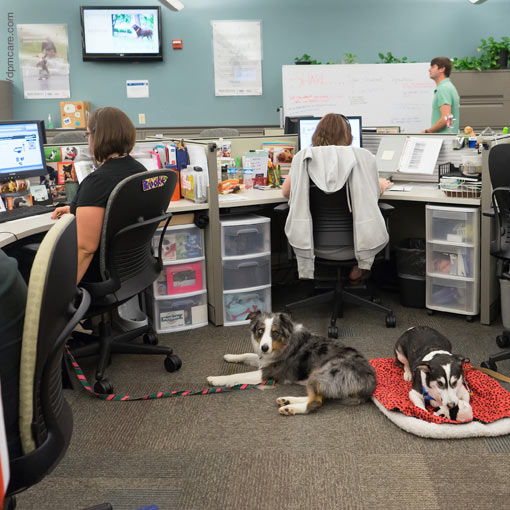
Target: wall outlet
[{"x": 141, "y": 118}]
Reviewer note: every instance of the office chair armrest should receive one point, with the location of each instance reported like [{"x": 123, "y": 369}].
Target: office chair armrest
[
  {"x": 282, "y": 208},
  {"x": 386, "y": 209}
]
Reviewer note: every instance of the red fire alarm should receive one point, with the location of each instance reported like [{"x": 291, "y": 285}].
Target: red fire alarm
[{"x": 177, "y": 44}]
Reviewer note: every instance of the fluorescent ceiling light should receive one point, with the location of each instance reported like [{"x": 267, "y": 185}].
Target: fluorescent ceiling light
[
  {"x": 475, "y": 2},
  {"x": 177, "y": 5}
]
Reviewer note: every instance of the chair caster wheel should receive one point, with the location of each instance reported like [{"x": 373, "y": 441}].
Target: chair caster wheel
[
  {"x": 332, "y": 332},
  {"x": 103, "y": 386},
  {"x": 172, "y": 363},
  {"x": 470, "y": 318},
  {"x": 489, "y": 364},
  {"x": 150, "y": 338},
  {"x": 430, "y": 312},
  {"x": 376, "y": 300},
  {"x": 391, "y": 322},
  {"x": 503, "y": 340}
]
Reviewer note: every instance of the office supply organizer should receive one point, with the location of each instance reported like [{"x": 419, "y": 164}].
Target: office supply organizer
[
  {"x": 178, "y": 298},
  {"x": 246, "y": 260},
  {"x": 453, "y": 253},
  {"x": 460, "y": 188}
]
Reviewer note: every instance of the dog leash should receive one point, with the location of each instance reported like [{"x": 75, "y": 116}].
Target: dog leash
[
  {"x": 492, "y": 373},
  {"x": 159, "y": 394}
]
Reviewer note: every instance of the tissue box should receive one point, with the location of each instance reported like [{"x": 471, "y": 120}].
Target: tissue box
[{"x": 74, "y": 114}]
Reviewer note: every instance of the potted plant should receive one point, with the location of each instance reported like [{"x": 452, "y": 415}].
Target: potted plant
[
  {"x": 390, "y": 59},
  {"x": 494, "y": 54},
  {"x": 305, "y": 60}
]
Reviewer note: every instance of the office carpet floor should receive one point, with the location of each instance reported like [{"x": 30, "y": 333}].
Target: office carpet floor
[{"x": 234, "y": 451}]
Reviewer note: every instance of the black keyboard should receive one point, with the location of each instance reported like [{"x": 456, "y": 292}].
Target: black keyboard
[{"x": 25, "y": 212}]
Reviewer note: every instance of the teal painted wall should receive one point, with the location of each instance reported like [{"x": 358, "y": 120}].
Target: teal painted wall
[{"x": 182, "y": 86}]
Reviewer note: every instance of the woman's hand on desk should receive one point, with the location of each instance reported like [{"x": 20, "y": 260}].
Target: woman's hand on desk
[
  {"x": 60, "y": 211},
  {"x": 384, "y": 184}
]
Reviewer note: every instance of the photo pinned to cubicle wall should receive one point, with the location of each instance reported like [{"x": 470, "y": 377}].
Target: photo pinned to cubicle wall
[
  {"x": 280, "y": 153},
  {"x": 43, "y": 55}
]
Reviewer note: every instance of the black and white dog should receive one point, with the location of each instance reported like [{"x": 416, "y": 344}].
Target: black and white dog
[
  {"x": 436, "y": 373},
  {"x": 288, "y": 353}
]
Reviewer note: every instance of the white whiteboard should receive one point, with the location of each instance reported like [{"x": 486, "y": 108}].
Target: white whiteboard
[{"x": 383, "y": 94}]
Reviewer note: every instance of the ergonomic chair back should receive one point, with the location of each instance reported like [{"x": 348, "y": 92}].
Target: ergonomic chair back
[
  {"x": 54, "y": 307},
  {"x": 135, "y": 209},
  {"x": 499, "y": 165},
  {"x": 500, "y": 246},
  {"x": 333, "y": 231}
]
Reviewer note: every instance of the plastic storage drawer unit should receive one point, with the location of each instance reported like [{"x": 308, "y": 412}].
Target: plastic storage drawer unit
[
  {"x": 444, "y": 259},
  {"x": 173, "y": 314},
  {"x": 237, "y": 305},
  {"x": 184, "y": 278},
  {"x": 180, "y": 242},
  {"x": 247, "y": 272},
  {"x": 245, "y": 235}
]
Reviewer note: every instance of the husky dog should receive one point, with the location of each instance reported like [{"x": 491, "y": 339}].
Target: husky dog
[
  {"x": 436, "y": 373},
  {"x": 289, "y": 353}
]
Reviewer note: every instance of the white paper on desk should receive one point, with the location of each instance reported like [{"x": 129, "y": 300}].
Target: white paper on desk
[
  {"x": 403, "y": 187},
  {"x": 2, "y": 206},
  {"x": 420, "y": 155}
]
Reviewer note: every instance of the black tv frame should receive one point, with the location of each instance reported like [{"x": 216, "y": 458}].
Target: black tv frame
[{"x": 121, "y": 57}]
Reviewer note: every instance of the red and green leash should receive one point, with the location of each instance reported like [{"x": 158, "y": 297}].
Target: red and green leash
[{"x": 159, "y": 394}]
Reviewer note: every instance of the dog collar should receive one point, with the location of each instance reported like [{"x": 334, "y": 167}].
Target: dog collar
[{"x": 426, "y": 396}]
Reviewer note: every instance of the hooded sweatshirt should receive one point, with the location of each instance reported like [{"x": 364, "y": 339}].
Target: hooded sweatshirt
[{"x": 331, "y": 168}]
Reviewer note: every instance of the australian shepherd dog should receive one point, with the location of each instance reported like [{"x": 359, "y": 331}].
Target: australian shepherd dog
[{"x": 288, "y": 353}]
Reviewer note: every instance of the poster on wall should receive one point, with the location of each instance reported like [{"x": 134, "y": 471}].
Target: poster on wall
[
  {"x": 43, "y": 56},
  {"x": 237, "y": 51}
]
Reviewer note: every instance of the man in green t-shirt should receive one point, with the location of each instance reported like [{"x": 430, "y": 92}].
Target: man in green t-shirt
[{"x": 445, "y": 106}]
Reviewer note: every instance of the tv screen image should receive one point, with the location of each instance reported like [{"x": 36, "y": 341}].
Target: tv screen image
[
  {"x": 121, "y": 33},
  {"x": 308, "y": 125},
  {"x": 22, "y": 150}
]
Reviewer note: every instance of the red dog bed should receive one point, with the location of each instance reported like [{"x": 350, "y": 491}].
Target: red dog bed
[{"x": 489, "y": 401}]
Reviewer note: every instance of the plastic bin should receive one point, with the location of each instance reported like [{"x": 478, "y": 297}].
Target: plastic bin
[
  {"x": 453, "y": 225},
  {"x": 452, "y": 295},
  {"x": 247, "y": 272},
  {"x": 245, "y": 235},
  {"x": 237, "y": 305},
  {"x": 180, "y": 242},
  {"x": 411, "y": 265},
  {"x": 179, "y": 313},
  {"x": 444, "y": 259}
]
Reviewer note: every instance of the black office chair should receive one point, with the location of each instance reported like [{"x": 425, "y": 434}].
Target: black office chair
[
  {"x": 136, "y": 207},
  {"x": 54, "y": 307},
  {"x": 499, "y": 170},
  {"x": 333, "y": 230}
]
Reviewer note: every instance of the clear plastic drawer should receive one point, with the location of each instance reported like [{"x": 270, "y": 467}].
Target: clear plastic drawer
[
  {"x": 179, "y": 313},
  {"x": 245, "y": 235},
  {"x": 451, "y": 260},
  {"x": 180, "y": 242},
  {"x": 237, "y": 305},
  {"x": 246, "y": 272},
  {"x": 455, "y": 225},
  {"x": 451, "y": 295}
]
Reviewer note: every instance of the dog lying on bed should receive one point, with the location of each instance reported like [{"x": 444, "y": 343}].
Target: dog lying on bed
[
  {"x": 436, "y": 373},
  {"x": 289, "y": 353}
]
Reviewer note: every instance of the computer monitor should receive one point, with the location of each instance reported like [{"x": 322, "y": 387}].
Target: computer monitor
[
  {"x": 307, "y": 127},
  {"x": 22, "y": 149}
]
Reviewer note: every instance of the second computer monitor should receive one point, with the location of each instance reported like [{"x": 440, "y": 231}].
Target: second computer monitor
[{"x": 307, "y": 129}]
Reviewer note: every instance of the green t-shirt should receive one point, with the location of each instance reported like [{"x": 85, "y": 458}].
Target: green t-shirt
[{"x": 446, "y": 93}]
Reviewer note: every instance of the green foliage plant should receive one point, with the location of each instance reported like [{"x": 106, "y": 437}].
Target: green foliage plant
[
  {"x": 467, "y": 64},
  {"x": 306, "y": 58},
  {"x": 390, "y": 59},
  {"x": 350, "y": 58},
  {"x": 491, "y": 50}
]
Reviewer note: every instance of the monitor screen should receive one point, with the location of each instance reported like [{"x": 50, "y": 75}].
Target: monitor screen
[
  {"x": 121, "y": 33},
  {"x": 22, "y": 150},
  {"x": 307, "y": 127}
]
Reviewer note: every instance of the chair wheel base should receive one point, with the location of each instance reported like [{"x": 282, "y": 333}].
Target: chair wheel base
[
  {"x": 489, "y": 364},
  {"x": 503, "y": 340},
  {"x": 391, "y": 322},
  {"x": 103, "y": 386},
  {"x": 150, "y": 338},
  {"x": 332, "y": 332},
  {"x": 172, "y": 363}
]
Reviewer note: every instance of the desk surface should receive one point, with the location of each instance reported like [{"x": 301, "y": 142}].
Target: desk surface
[{"x": 428, "y": 193}]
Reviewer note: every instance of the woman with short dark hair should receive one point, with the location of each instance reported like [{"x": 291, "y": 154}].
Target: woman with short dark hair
[{"x": 111, "y": 136}]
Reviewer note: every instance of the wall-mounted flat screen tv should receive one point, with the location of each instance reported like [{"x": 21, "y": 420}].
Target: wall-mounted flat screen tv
[{"x": 121, "y": 33}]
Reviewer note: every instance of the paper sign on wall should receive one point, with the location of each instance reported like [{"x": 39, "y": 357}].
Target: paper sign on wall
[{"x": 137, "y": 88}]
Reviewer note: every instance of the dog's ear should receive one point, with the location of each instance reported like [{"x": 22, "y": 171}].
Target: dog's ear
[
  {"x": 286, "y": 322},
  {"x": 424, "y": 367},
  {"x": 253, "y": 316}
]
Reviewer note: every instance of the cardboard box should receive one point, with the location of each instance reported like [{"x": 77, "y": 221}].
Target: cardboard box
[{"x": 74, "y": 114}]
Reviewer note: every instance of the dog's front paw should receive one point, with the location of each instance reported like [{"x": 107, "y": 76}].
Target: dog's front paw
[
  {"x": 442, "y": 411},
  {"x": 282, "y": 401},
  {"x": 231, "y": 358},
  {"x": 217, "y": 381},
  {"x": 465, "y": 412},
  {"x": 408, "y": 376},
  {"x": 287, "y": 410}
]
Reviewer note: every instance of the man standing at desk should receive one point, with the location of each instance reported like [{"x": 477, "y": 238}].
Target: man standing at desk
[{"x": 446, "y": 98}]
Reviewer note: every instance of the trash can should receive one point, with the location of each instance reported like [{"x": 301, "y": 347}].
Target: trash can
[{"x": 411, "y": 268}]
